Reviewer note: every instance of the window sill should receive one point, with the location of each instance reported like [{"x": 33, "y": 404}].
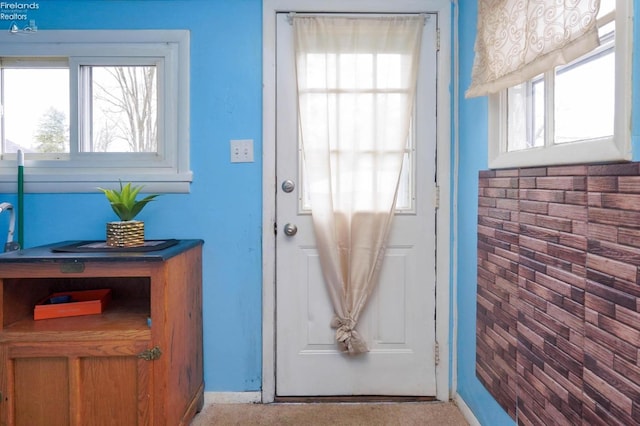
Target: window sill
[{"x": 74, "y": 183}]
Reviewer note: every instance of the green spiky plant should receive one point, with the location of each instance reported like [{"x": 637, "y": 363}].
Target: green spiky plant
[{"x": 124, "y": 203}]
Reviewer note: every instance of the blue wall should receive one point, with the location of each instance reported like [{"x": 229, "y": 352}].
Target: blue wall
[
  {"x": 472, "y": 159},
  {"x": 224, "y": 207}
]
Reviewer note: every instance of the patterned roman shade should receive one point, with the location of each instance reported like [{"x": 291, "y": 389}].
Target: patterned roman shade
[{"x": 519, "y": 39}]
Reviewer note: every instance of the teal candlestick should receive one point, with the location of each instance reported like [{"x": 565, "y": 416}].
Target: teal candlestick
[{"x": 20, "y": 199}]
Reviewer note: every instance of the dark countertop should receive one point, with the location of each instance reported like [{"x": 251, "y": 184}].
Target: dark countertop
[{"x": 83, "y": 251}]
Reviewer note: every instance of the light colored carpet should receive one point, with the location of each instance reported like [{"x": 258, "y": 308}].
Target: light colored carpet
[{"x": 335, "y": 414}]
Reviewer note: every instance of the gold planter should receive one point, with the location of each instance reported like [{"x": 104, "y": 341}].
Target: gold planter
[{"x": 128, "y": 233}]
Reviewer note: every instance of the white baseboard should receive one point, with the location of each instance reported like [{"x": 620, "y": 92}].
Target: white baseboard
[
  {"x": 466, "y": 411},
  {"x": 232, "y": 398}
]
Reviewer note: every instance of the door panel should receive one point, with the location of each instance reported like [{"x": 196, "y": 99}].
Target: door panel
[{"x": 399, "y": 320}]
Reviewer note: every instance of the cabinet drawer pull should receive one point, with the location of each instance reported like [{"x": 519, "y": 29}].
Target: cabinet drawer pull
[{"x": 150, "y": 354}]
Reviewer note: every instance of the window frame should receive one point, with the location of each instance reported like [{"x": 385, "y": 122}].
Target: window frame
[
  {"x": 165, "y": 171},
  {"x": 617, "y": 148}
]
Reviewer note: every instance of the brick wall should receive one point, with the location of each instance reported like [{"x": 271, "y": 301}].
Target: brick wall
[{"x": 558, "y": 319}]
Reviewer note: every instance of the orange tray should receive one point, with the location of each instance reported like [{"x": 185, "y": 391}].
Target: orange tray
[{"x": 84, "y": 302}]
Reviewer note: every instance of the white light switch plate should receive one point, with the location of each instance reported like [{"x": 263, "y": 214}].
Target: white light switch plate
[{"x": 242, "y": 151}]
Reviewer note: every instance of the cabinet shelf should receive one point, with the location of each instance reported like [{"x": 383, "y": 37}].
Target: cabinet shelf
[{"x": 121, "y": 319}]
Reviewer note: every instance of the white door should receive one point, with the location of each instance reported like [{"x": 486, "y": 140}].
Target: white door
[{"x": 399, "y": 321}]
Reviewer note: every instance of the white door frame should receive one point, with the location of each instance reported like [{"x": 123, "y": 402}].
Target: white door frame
[{"x": 444, "y": 143}]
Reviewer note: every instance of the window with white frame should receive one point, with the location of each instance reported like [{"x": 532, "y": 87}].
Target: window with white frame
[
  {"x": 91, "y": 108},
  {"x": 574, "y": 113}
]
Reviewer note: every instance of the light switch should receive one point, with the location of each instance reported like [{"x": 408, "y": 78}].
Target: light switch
[{"x": 242, "y": 151}]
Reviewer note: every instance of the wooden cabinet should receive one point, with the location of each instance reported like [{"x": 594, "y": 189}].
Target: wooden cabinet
[{"x": 137, "y": 363}]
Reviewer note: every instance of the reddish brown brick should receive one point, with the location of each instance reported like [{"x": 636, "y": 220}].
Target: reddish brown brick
[
  {"x": 577, "y": 240},
  {"x": 568, "y": 183},
  {"x": 601, "y": 232},
  {"x": 600, "y": 305},
  {"x": 602, "y": 183},
  {"x": 527, "y": 183},
  {"x": 612, "y": 267},
  {"x": 540, "y": 233},
  {"x": 621, "y": 169},
  {"x": 558, "y": 224},
  {"x": 611, "y": 294},
  {"x": 629, "y": 237},
  {"x": 630, "y": 184},
  {"x": 486, "y": 202},
  {"x": 506, "y": 182},
  {"x": 620, "y": 347},
  {"x": 627, "y": 369},
  {"x": 575, "y": 197},
  {"x": 486, "y": 174},
  {"x": 621, "y": 201},
  {"x": 578, "y": 213},
  {"x": 630, "y": 219},
  {"x": 507, "y": 204},
  {"x": 534, "y": 171},
  {"x": 576, "y": 281},
  {"x": 542, "y": 195},
  {"x": 618, "y": 329},
  {"x": 534, "y": 207},
  {"x": 507, "y": 172},
  {"x": 493, "y": 192},
  {"x": 594, "y": 199},
  {"x": 625, "y": 254},
  {"x": 577, "y": 170}
]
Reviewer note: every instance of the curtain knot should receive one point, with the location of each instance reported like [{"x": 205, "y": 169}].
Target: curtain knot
[{"x": 347, "y": 337}]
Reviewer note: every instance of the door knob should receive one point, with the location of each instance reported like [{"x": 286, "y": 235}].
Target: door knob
[
  {"x": 290, "y": 230},
  {"x": 288, "y": 185}
]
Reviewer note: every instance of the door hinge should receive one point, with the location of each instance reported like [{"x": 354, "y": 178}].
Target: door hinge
[
  {"x": 275, "y": 228},
  {"x": 436, "y": 196},
  {"x": 150, "y": 354},
  {"x": 436, "y": 350},
  {"x": 438, "y": 40}
]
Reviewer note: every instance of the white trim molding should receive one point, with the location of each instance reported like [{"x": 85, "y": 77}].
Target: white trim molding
[
  {"x": 211, "y": 398},
  {"x": 443, "y": 9},
  {"x": 466, "y": 411}
]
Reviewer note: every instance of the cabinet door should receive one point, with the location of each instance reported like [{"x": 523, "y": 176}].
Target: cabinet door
[{"x": 76, "y": 383}]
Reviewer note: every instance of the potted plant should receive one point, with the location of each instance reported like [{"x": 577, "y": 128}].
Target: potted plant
[{"x": 127, "y": 232}]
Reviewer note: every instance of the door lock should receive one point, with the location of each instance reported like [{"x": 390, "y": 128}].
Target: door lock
[
  {"x": 288, "y": 186},
  {"x": 290, "y": 230}
]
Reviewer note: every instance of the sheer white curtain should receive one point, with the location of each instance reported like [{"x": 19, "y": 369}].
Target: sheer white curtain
[
  {"x": 356, "y": 81},
  {"x": 520, "y": 39}
]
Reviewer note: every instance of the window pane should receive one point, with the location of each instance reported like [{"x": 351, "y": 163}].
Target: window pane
[
  {"x": 348, "y": 83},
  {"x": 525, "y": 115},
  {"x": 389, "y": 71},
  {"x": 585, "y": 93},
  {"x": 355, "y": 71},
  {"x": 606, "y": 6},
  {"x": 36, "y": 110},
  {"x": 585, "y": 100},
  {"x": 539, "y": 113},
  {"x": 124, "y": 109}
]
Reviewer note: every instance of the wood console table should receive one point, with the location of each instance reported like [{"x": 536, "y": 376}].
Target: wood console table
[{"x": 138, "y": 363}]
